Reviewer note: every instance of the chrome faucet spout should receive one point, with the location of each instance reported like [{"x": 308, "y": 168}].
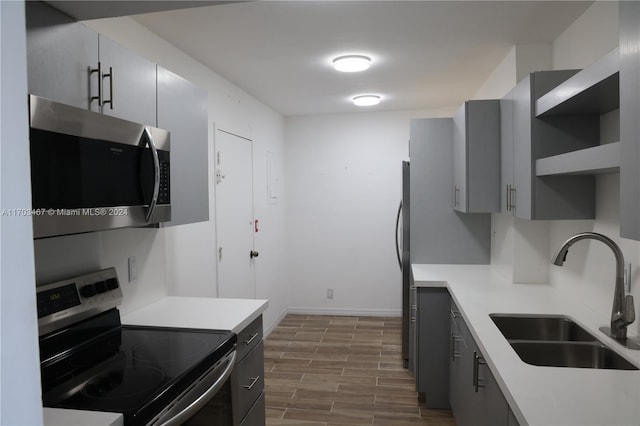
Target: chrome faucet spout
[{"x": 622, "y": 312}]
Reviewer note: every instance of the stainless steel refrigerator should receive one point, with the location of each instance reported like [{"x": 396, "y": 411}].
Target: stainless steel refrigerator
[{"x": 402, "y": 251}]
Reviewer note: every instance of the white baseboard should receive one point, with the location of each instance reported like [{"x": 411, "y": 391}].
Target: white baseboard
[{"x": 268, "y": 331}]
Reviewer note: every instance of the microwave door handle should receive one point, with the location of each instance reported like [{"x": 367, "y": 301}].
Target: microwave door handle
[{"x": 156, "y": 174}]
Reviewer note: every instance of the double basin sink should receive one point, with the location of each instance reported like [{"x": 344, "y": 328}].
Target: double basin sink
[{"x": 557, "y": 341}]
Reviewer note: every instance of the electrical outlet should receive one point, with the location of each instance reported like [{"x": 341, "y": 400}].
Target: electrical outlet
[
  {"x": 133, "y": 268},
  {"x": 329, "y": 293}
]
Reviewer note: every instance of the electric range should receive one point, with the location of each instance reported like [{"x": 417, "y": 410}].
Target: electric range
[{"x": 152, "y": 375}]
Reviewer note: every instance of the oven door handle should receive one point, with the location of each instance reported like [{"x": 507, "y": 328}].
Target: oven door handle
[{"x": 196, "y": 405}]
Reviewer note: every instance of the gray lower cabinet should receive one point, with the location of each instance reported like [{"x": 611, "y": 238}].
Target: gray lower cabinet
[
  {"x": 432, "y": 350},
  {"x": 476, "y": 157},
  {"x": 629, "y": 122},
  {"x": 183, "y": 110},
  {"x": 476, "y": 399},
  {"x": 72, "y": 64},
  {"x": 247, "y": 379},
  {"x": 530, "y": 138}
]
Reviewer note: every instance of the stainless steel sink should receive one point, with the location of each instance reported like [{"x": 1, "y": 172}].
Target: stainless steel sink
[
  {"x": 566, "y": 354},
  {"x": 557, "y": 341},
  {"x": 538, "y": 327}
]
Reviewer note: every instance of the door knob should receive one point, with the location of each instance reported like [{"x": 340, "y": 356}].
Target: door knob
[{"x": 253, "y": 254}]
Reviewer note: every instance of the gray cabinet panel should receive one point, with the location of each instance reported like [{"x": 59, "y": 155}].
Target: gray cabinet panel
[
  {"x": 476, "y": 157},
  {"x": 248, "y": 383},
  {"x": 439, "y": 234},
  {"x": 255, "y": 416},
  {"x": 481, "y": 405},
  {"x": 132, "y": 85},
  {"x": 629, "y": 119},
  {"x": 432, "y": 367},
  {"x": 413, "y": 303},
  {"x": 506, "y": 152},
  {"x": 247, "y": 379},
  {"x": 60, "y": 53},
  {"x": 183, "y": 110}
]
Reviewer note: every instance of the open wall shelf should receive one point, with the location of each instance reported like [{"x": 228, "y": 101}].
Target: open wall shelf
[
  {"x": 601, "y": 159},
  {"x": 594, "y": 90}
]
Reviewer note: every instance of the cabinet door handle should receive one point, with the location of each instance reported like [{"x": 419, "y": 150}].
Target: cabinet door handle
[
  {"x": 452, "y": 347},
  {"x": 254, "y": 380},
  {"x": 99, "y": 71},
  {"x": 508, "y": 194},
  {"x": 456, "y": 196},
  {"x": 477, "y": 360},
  {"x": 250, "y": 339},
  {"x": 512, "y": 198},
  {"x": 110, "y": 75}
]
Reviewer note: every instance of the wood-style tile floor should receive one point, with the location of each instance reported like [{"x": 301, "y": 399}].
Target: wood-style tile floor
[{"x": 340, "y": 370}]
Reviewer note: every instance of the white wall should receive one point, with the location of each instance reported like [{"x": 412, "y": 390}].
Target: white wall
[
  {"x": 343, "y": 184},
  {"x": 20, "y": 402}
]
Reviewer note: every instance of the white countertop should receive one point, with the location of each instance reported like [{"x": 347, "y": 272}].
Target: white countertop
[
  {"x": 538, "y": 395},
  {"x": 188, "y": 312},
  {"x": 198, "y": 312}
]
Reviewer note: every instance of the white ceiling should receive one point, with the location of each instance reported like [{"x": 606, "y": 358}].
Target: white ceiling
[{"x": 426, "y": 54}]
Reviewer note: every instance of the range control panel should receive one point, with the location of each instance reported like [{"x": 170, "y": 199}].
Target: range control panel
[{"x": 73, "y": 299}]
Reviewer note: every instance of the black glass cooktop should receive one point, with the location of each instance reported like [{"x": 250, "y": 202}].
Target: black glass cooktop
[{"x": 132, "y": 370}]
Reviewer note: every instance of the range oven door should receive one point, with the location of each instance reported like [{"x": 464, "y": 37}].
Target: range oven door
[
  {"x": 91, "y": 172},
  {"x": 207, "y": 401}
]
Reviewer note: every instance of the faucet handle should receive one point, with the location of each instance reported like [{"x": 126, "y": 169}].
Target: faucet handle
[{"x": 629, "y": 314}]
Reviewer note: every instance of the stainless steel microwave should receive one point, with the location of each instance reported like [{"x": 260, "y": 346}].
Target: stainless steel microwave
[{"x": 91, "y": 172}]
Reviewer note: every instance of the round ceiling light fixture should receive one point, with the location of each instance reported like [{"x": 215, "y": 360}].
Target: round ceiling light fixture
[
  {"x": 351, "y": 63},
  {"x": 366, "y": 100}
]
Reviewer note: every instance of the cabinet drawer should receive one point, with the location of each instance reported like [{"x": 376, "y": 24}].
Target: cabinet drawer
[
  {"x": 255, "y": 416},
  {"x": 249, "y": 337},
  {"x": 248, "y": 381}
]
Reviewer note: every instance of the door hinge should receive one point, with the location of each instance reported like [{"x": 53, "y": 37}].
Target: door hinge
[{"x": 219, "y": 254}]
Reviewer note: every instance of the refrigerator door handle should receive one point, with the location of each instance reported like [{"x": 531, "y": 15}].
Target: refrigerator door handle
[{"x": 397, "y": 228}]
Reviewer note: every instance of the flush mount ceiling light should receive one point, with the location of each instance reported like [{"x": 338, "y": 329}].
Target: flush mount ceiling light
[
  {"x": 366, "y": 100},
  {"x": 351, "y": 63}
]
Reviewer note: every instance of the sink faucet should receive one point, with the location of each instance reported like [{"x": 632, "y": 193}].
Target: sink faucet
[{"x": 622, "y": 313}]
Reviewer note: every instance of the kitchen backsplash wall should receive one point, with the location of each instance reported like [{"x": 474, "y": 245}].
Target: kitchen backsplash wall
[{"x": 63, "y": 257}]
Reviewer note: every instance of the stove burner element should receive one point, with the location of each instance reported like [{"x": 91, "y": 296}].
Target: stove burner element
[{"x": 123, "y": 383}]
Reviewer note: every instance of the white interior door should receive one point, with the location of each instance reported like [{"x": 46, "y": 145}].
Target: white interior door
[{"x": 234, "y": 216}]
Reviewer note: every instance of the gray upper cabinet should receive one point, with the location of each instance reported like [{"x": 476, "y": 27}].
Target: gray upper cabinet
[
  {"x": 129, "y": 83},
  {"x": 629, "y": 119},
  {"x": 547, "y": 197},
  {"x": 61, "y": 54},
  {"x": 74, "y": 65},
  {"x": 476, "y": 157},
  {"x": 183, "y": 110}
]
